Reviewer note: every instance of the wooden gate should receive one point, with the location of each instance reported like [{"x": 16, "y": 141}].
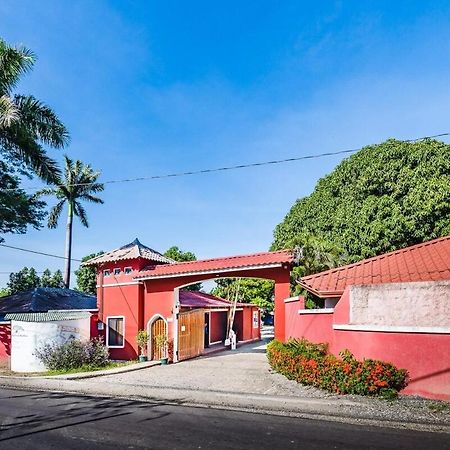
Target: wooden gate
[
  {"x": 158, "y": 327},
  {"x": 191, "y": 334}
]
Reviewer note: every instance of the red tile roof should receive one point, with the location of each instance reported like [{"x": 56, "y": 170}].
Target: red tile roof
[
  {"x": 133, "y": 250},
  {"x": 230, "y": 263},
  {"x": 190, "y": 299},
  {"x": 429, "y": 261}
]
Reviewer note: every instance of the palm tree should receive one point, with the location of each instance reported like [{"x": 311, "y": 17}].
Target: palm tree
[
  {"x": 26, "y": 124},
  {"x": 80, "y": 183}
]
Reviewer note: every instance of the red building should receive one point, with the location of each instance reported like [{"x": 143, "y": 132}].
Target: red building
[
  {"x": 140, "y": 289},
  {"x": 393, "y": 307}
]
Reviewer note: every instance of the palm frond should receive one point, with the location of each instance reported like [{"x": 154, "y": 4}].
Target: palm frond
[
  {"x": 55, "y": 214},
  {"x": 92, "y": 198},
  {"x": 18, "y": 143},
  {"x": 80, "y": 212},
  {"x": 14, "y": 62},
  {"x": 9, "y": 112},
  {"x": 41, "y": 121}
]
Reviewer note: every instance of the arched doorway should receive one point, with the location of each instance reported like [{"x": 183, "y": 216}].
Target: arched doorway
[{"x": 157, "y": 326}]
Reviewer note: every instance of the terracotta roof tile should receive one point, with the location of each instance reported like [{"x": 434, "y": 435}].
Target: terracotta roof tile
[
  {"x": 428, "y": 261},
  {"x": 133, "y": 250},
  {"x": 191, "y": 299},
  {"x": 256, "y": 260}
]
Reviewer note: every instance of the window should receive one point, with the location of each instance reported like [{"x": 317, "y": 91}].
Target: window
[
  {"x": 115, "y": 332},
  {"x": 106, "y": 273},
  {"x": 128, "y": 270},
  {"x": 117, "y": 271}
]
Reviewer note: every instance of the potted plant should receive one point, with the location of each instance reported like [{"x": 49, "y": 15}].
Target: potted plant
[
  {"x": 142, "y": 341},
  {"x": 161, "y": 342}
]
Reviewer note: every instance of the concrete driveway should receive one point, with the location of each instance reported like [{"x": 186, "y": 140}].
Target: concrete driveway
[{"x": 244, "y": 370}]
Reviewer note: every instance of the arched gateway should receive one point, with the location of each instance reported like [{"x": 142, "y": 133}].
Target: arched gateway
[{"x": 138, "y": 283}]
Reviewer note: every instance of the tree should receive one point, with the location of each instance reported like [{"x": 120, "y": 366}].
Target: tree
[
  {"x": 27, "y": 278},
  {"x": 17, "y": 209},
  {"x": 79, "y": 183},
  {"x": 4, "y": 292},
  {"x": 87, "y": 276},
  {"x": 178, "y": 255},
  {"x": 53, "y": 281},
  {"x": 26, "y": 124},
  {"x": 249, "y": 290},
  {"x": 23, "y": 280},
  {"x": 384, "y": 197}
]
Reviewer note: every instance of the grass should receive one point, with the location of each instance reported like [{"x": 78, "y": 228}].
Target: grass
[
  {"x": 87, "y": 368},
  {"x": 111, "y": 365}
]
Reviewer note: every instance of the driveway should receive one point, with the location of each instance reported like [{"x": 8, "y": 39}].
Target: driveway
[{"x": 244, "y": 370}]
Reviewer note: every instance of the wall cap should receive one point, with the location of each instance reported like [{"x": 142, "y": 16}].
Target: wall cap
[
  {"x": 292, "y": 299},
  {"x": 316, "y": 311},
  {"x": 392, "y": 329}
]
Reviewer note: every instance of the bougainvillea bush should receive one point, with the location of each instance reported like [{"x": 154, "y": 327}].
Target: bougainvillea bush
[
  {"x": 311, "y": 364},
  {"x": 74, "y": 354}
]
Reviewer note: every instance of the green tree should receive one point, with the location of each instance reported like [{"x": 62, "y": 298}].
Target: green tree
[
  {"x": 382, "y": 198},
  {"x": 23, "y": 280},
  {"x": 79, "y": 184},
  {"x": 17, "y": 209},
  {"x": 249, "y": 290},
  {"x": 87, "y": 276},
  {"x": 4, "y": 292},
  {"x": 180, "y": 256},
  {"x": 53, "y": 281},
  {"x": 26, "y": 124}
]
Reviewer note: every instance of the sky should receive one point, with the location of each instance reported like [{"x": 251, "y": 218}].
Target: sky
[{"x": 148, "y": 88}]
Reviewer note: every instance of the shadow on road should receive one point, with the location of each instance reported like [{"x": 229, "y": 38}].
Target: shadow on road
[{"x": 77, "y": 410}]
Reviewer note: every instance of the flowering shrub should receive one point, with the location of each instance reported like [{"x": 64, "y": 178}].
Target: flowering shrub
[
  {"x": 311, "y": 364},
  {"x": 74, "y": 354}
]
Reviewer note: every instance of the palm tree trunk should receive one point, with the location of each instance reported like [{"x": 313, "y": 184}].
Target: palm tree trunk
[{"x": 68, "y": 251}]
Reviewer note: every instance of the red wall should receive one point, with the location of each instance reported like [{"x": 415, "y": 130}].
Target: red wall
[
  {"x": 5, "y": 344},
  {"x": 425, "y": 356},
  {"x": 218, "y": 328},
  {"x": 123, "y": 301}
]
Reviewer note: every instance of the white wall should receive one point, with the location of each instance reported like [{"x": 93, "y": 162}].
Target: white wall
[
  {"x": 26, "y": 337},
  {"x": 419, "y": 304}
]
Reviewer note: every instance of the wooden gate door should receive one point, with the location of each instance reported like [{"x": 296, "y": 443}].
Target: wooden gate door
[
  {"x": 158, "y": 327},
  {"x": 191, "y": 334}
]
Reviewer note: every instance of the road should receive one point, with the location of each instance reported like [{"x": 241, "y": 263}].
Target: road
[{"x": 32, "y": 420}]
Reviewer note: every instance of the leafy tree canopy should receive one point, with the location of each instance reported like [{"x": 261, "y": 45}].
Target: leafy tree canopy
[
  {"x": 17, "y": 209},
  {"x": 27, "y": 278},
  {"x": 87, "y": 276},
  {"x": 384, "y": 197},
  {"x": 248, "y": 290},
  {"x": 179, "y": 255}
]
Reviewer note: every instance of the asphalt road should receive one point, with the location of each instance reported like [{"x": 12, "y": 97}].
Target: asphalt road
[{"x": 31, "y": 420}]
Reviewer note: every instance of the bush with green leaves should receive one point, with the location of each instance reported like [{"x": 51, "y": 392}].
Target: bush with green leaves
[
  {"x": 311, "y": 364},
  {"x": 74, "y": 354}
]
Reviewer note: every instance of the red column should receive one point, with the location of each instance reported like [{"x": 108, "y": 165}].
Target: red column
[{"x": 282, "y": 291}]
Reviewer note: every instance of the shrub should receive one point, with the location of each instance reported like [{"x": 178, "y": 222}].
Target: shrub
[
  {"x": 74, "y": 354},
  {"x": 311, "y": 364}
]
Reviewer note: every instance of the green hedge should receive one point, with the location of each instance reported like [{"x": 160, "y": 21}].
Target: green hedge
[{"x": 311, "y": 364}]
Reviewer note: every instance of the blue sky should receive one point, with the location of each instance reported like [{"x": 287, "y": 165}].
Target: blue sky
[{"x": 150, "y": 87}]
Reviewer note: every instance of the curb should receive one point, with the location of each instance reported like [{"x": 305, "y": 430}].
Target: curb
[{"x": 86, "y": 375}]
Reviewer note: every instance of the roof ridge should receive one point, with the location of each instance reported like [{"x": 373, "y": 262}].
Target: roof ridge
[
  {"x": 378, "y": 257},
  {"x": 179, "y": 263}
]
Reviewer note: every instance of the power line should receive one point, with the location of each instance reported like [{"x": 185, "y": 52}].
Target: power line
[
  {"x": 38, "y": 253},
  {"x": 238, "y": 166}
]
